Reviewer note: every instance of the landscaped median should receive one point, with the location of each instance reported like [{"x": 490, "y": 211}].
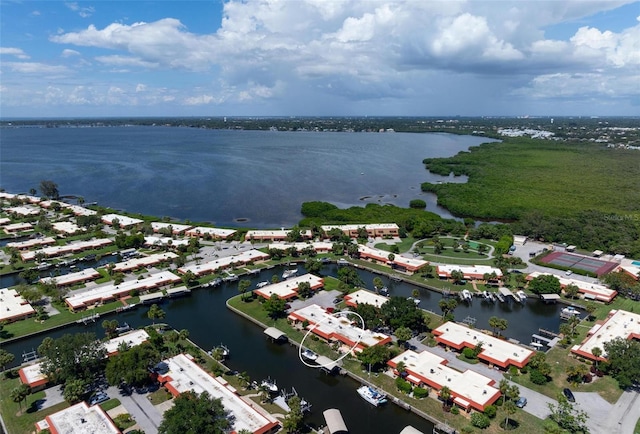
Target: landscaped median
[{"x": 430, "y": 408}]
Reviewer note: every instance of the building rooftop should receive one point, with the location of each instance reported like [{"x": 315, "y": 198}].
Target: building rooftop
[
  {"x": 432, "y": 370},
  {"x": 619, "y": 324},
  {"x": 133, "y": 338},
  {"x": 125, "y": 221},
  {"x": 33, "y": 242},
  {"x": 176, "y": 228},
  {"x": 494, "y": 350},
  {"x": 599, "y": 292},
  {"x": 185, "y": 375},
  {"x": 275, "y": 234},
  {"x": 32, "y": 376},
  {"x": 221, "y": 263},
  {"x": 317, "y": 246},
  {"x": 73, "y": 247},
  {"x": 468, "y": 270},
  {"x": 144, "y": 261},
  {"x": 13, "y": 306},
  {"x": 110, "y": 291},
  {"x": 289, "y": 288},
  {"x": 411, "y": 264},
  {"x": 154, "y": 240},
  {"x": 373, "y": 226},
  {"x": 71, "y": 278},
  {"x": 363, "y": 296},
  {"x": 24, "y": 210},
  {"x": 66, "y": 227},
  {"x": 340, "y": 328},
  {"x": 79, "y": 419},
  {"x": 214, "y": 232}
]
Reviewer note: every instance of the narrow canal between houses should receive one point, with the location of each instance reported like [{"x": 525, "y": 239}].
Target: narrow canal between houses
[{"x": 210, "y": 323}]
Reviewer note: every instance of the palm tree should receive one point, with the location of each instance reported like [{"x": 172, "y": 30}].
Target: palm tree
[
  {"x": 597, "y": 352},
  {"x": 509, "y": 409},
  {"x": 155, "y": 312},
  {"x": 20, "y": 393},
  {"x": 243, "y": 285},
  {"x": 503, "y": 386},
  {"x": 445, "y": 395}
]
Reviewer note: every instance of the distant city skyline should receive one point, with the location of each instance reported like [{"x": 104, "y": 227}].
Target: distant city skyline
[{"x": 319, "y": 58}]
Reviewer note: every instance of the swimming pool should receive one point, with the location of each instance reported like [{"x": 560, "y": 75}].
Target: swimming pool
[{"x": 636, "y": 263}]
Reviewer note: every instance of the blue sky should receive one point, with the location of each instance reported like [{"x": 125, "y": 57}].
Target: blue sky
[{"x": 319, "y": 57}]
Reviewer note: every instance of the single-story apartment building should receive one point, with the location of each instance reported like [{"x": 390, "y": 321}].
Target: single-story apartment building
[
  {"x": 496, "y": 352},
  {"x": 185, "y": 375},
  {"x": 13, "y": 307},
  {"x": 176, "y": 229},
  {"x": 591, "y": 291},
  {"x": 336, "y": 329},
  {"x": 275, "y": 235},
  {"x": 378, "y": 230},
  {"x": 399, "y": 262},
  {"x": 618, "y": 324},
  {"x": 79, "y": 419},
  {"x": 362, "y": 296},
  {"x": 469, "y": 389},
  {"x": 109, "y": 292},
  {"x": 470, "y": 272},
  {"x": 218, "y": 264},
  {"x": 215, "y": 233},
  {"x": 289, "y": 288}
]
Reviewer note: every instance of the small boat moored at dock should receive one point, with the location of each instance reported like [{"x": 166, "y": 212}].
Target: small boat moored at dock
[
  {"x": 371, "y": 395},
  {"x": 289, "y": 273},
  {"x": 269, "y": 385},
  {"x": 309, "y": 355}
]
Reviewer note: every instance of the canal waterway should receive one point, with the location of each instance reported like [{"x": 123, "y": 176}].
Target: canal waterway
[{"x": 211, "y": 323}]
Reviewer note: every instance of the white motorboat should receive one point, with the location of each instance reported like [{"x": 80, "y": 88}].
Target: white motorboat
[
  {"x": 415, "y": 300},
  {"x": 270, "y": 385},
  {"x": 372, "y": 396},
  {"x": 309, "y": 355},
  {"x": 522, "y": 295},
  {"x": 262, "y": 284},
  {"x": 289, "y": 273}
]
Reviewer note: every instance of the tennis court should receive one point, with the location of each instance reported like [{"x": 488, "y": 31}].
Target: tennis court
[{"x": 578, "y": 262}]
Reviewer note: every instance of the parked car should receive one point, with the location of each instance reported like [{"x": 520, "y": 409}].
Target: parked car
[
  {"x": 98, "y": 398},
  {"x": 569, "y": 395},
  {"x": 520, "y": 403},
  {"x": 569, "y": 273}
]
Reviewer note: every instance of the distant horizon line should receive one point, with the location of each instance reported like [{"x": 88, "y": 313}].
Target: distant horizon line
[{"x": 291, "y": 117}]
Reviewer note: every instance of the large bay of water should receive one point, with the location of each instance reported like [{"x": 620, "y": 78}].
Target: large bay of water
[{"x": 220, "y": 176}]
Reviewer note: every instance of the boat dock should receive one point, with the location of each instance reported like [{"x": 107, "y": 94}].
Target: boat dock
[{"x": 88, "y": 319}]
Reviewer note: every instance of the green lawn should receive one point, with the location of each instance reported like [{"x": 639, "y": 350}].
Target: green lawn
[
  {"x": 20, "y": 418},
  {"x": 30, "y": 325}
]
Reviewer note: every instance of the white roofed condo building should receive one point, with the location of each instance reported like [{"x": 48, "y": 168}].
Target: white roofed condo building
[
  {"x": 123, "y": 220},
  {"x": 362, "y": 296},
  {"x": 379, "y": 230},
  {"x": 275, "y": 235},
  {"x": 13, "y": 307},
  {"x": 110, "y": 292},
  {"x": 470, "y": 272},
  {"x": 185, "y": 375},
  {"x": 214, "y": 233},
  {"x": 145, "y": 261},
  {"x": 289, "y": 288},
  {"x": 71, "y": 248},
  {"x": 337, "y": 329},
  {"x": 175, "y": 228},
  {"x": 496, "y": 352},
  {"x": 318, "y": 246},
  {"x": 619, "y": 324},
  {"x": 592, "y": 291},
  {"x": 469, "y": 389},
  {"x": 218, "y": 264},
  {"x": 79, "y": 419},
  {"x": 408, "y": 265},
  {"x": 86, "y": 275}
]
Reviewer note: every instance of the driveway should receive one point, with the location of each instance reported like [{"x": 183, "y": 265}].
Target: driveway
[{"x": 147, "y": 416}]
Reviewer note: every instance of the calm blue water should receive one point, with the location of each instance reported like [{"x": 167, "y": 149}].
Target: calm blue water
[{"x": 218, "y": 175}]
